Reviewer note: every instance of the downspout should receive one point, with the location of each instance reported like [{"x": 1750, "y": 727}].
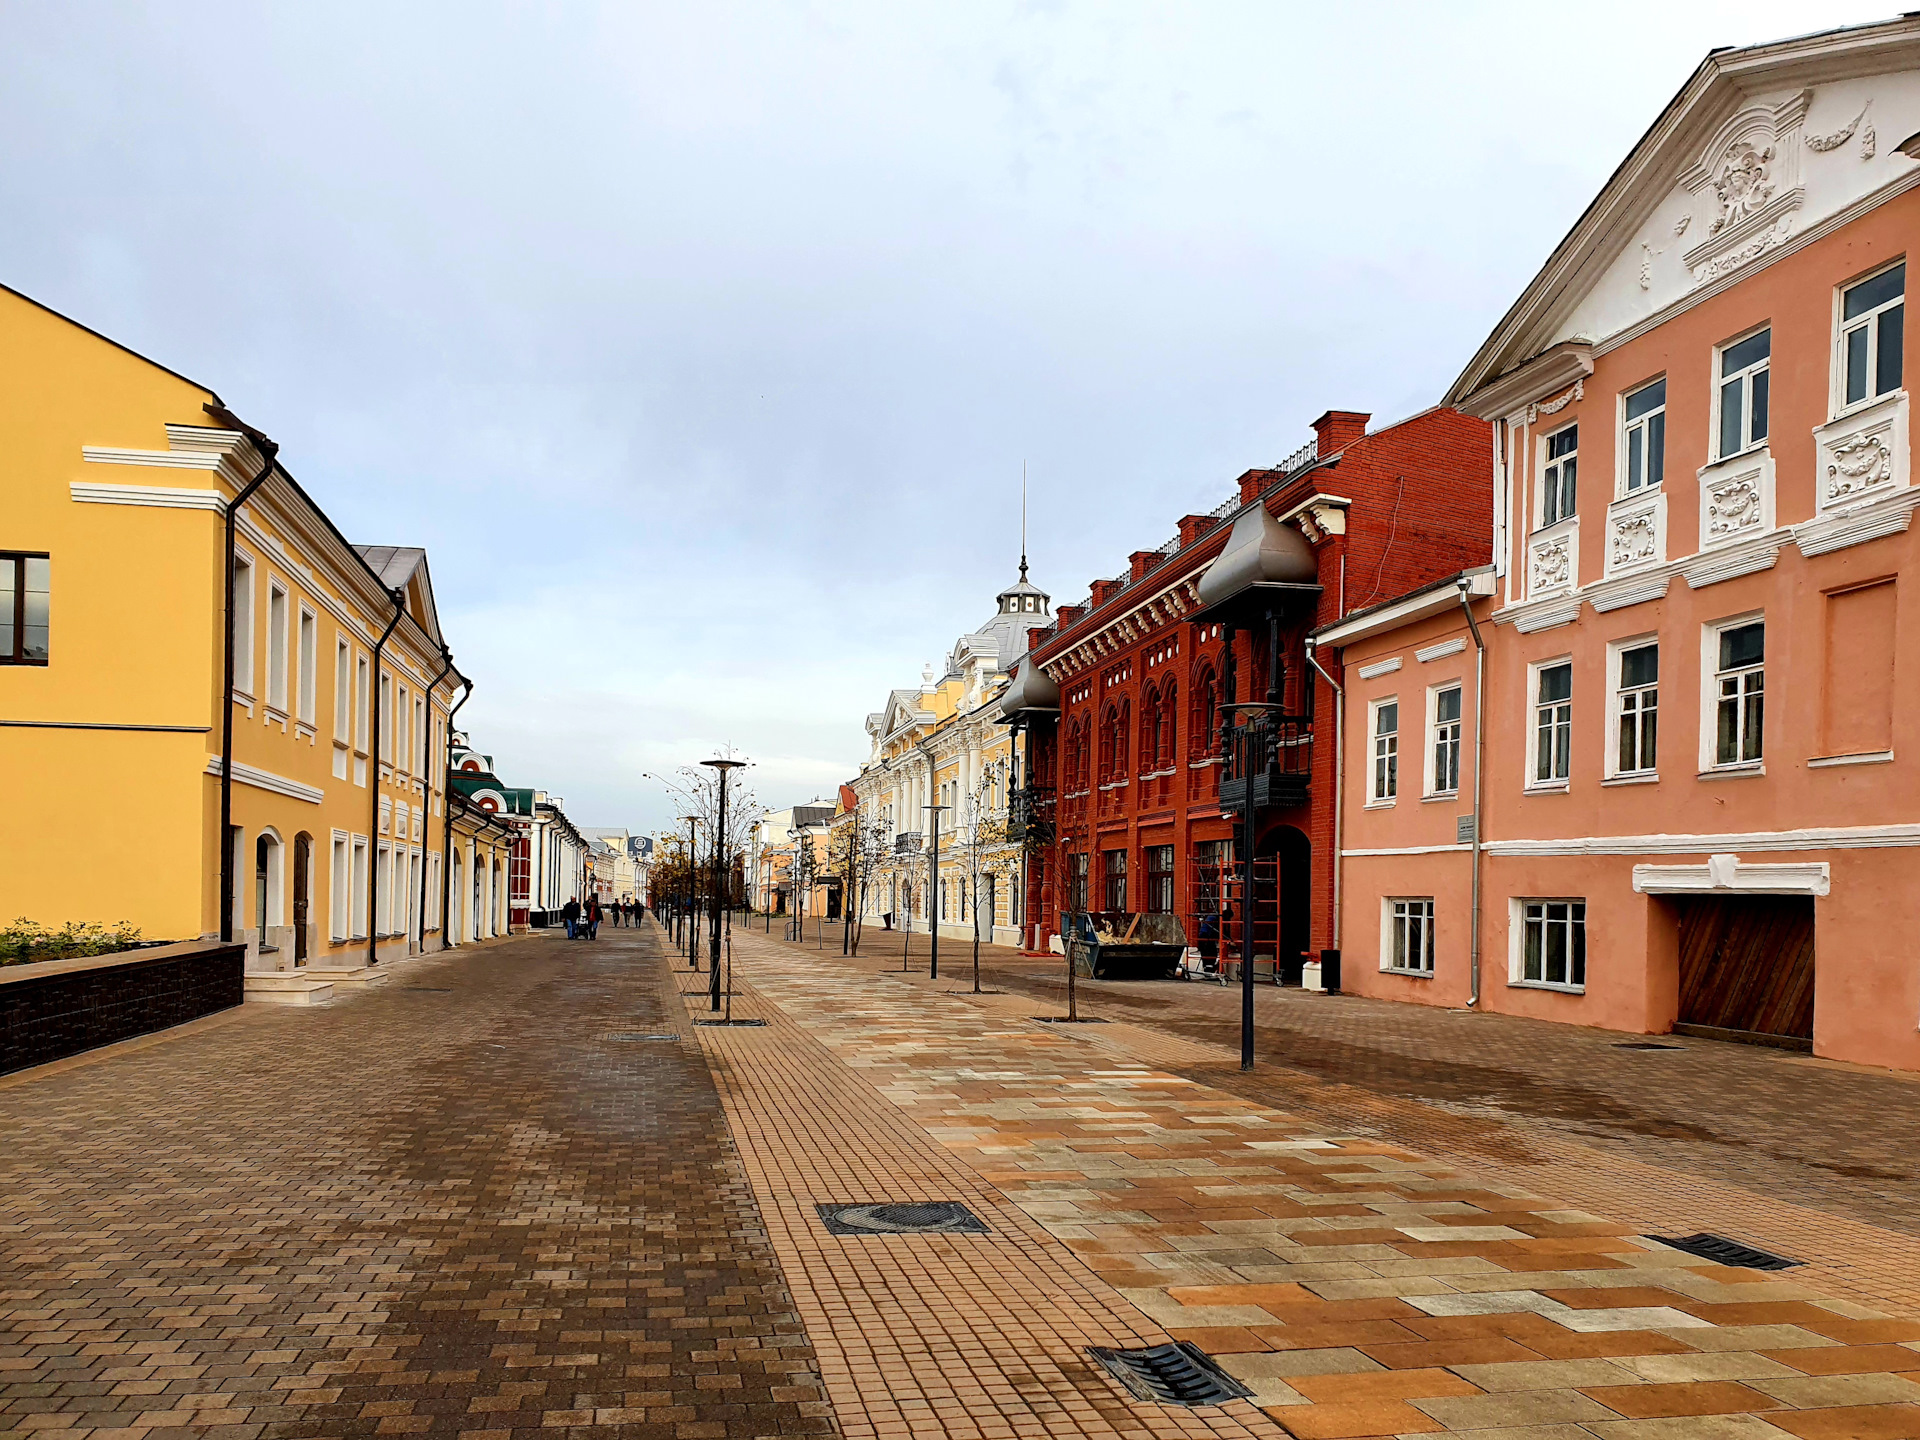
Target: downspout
[
  {"x": 398, "y": 598},
  {"x": 426, "y": 780},
  {"x": 1339, "y": 779},
  {"x": 1479, "y": 755},
  {"x": 446, "y": 807},
  {"x": 270, "y": 451}
]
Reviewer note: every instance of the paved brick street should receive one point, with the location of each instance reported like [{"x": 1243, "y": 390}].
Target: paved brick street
[{"x": 451, "y": 1204}]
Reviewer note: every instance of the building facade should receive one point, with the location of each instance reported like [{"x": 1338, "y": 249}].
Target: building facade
[
  {"x": 115, "y": 565},
  {"x": 1698, "y": 807},
  {"x": 1140, "y": 768},
  {"x": 945, "y": 742}
]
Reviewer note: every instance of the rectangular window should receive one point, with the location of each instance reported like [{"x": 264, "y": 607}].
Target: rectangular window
[
  {"x": 1645, "y": 440},
  {"x": 1743, "y": 392},
  {"x": 1740, "y": 685},
  {"x": 309, "y": 664},
  {"x": 25, "y": 592},
  {"x": 1553, "y": 724},
  {"x": 1211, "y": 859},
  {"x": 1558, "y": 488},
  {"x": 1446, "y": 740},
  {"x": 419, "y": 735},
  {"x": 386, "y": 718},
  {"x": 342, "y": 690},
  {"x": 1639, "y": 707},
  {"x": 1159, "y": 860},
  {"x": 361, "y": 700},
  {"x": 1873, "y": 316},
  {"x": 243, "y": 624},
  {"x": 338, "y": 887},
  {"x": 1554, "y": 943},
  {"x": 1411, "y": 940},
  {"x": 358, "y": 914},
  {"x": 383, "y": 922},
  {"x": 277, "y": 648},
  {"x": 1113, "y": 869},
  {"x": 1077, "y": 881},
  {"x": 1386, "y": 749}
]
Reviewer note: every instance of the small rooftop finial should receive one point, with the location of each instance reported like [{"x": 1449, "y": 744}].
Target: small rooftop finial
[{"x": 1023, "y": 522}]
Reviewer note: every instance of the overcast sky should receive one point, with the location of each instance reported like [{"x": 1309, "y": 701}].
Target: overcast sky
[{"x": 701, "y": 345}]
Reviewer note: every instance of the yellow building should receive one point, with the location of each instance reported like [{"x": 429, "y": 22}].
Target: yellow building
[
  {"x": 114, "y": 550},
  {"x": 945, "y": 743}
]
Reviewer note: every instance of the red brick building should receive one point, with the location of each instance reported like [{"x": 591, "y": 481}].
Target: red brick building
[{"x": 1136, "y": 764}]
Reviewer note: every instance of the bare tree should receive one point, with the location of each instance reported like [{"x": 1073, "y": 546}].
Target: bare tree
[{"x": 980, "y": 849}]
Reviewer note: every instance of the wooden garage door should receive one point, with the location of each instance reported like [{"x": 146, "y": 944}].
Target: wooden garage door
[{"x": 1747, "y": 964}]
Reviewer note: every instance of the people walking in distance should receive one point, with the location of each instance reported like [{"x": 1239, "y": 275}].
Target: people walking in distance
[
  {"x": 570, "y": 912},
  {"x": 593, "y": 917}
]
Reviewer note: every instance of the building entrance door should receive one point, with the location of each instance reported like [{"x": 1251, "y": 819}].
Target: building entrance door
[
  {"x": 1285, "y": 901},
  {"x": 1747, "y": 964},
  {"x": 302, "y": 893}
]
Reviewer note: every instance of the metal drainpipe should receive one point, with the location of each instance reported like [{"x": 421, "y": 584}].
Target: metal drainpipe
[
  {"x": 271, "y": 452},
  {"x": 398, "y": 597},
  {"x": 1479, "y": 755},
  {"x": 446, "y": 665},
  {"x": 446, "y": 833},
  {"x": 1339, "y": 777}
]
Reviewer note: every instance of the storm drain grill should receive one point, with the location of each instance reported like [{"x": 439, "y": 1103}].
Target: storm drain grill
[
  {"x": 1645, "y": 1045},
  {"x": 1728, "y": 1252},
  {"x": 902, "y": 1217},
  {"x": 1063, "y": 1020},
  {"x": 735, "y": 1023},
  {"x": 1176, "y": 1374},
  {"x": 640, "y": 1035}
]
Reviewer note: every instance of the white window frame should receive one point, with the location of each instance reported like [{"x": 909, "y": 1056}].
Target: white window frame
[
  {"x": 385, "y": 737},
  {"x": 1710, "y": 675},
  {"x": 279, "y": 634},
  {"x": 342, "y": 690},
  {"x": 1517, "y": 920},
  {"x": 1622, "y": 488},
  {"x": 1746, "y": 375},
  {"x": 357, "y": 899},
  {"x": 1616, "y": 707},
  {"x": 307, "y": 646},
  {"x": 1843, "y": 327},
  {"x": 1432, "y": 789},
  {"x": 243, "y": 582},
  {"x": 339, "y": 889},
  {"x": 1557, "y": 783},
  {"x": 362, "y": 699},
  {"x": 419, "y": 734},
  {"x": 1381, "y": 793},
  {"x": 1413, "y": 917},
  {"x": 1552, "y": 474}
]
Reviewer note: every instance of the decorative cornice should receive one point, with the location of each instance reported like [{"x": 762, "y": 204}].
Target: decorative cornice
[
  {"x": 267, "y": 780},
  {"x": 158, "y": 497}
]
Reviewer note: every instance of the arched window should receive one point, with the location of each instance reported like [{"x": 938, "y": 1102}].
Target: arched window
[
  {"x": 1150, "y": 731},
  {"x": 1204, "y": 737},
  {"x": 1168, "y": 752}
]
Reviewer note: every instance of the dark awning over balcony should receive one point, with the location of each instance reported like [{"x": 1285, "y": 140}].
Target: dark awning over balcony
[
  {"x": 1266, "y": 567},
  {"x": 1031, "y": 692}
]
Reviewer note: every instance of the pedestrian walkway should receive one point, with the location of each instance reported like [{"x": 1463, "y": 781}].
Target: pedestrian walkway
[
  {"x": 1358, "y": 1286},
  {"x": 494, "y": 1195}
]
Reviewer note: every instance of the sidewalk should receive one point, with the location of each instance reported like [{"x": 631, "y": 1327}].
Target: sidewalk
[{"x": 1357, "y": 1285}]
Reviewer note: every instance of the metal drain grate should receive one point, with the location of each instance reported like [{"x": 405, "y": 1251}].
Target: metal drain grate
[
  {"x": 1063, "y": 1020},
  {"x": 1176, "y": 1374},
  {"x": 640, "y": 1035},
  {"x": 902, "y": 1217},
  {"x": 1728, "y": 1252},
  {"x": 1645, "y": 1045},
  {"x": 735, "y": 1023}
]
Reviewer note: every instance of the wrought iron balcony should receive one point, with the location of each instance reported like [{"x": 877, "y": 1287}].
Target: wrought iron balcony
[
  {"x": 1030, "y": 814},
  {"x": 1271, "y": 762},
  {"x": 908, "y": 842}
]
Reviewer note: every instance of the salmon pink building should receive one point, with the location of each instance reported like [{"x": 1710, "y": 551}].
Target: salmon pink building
[{"x": 1658, "y": 765}]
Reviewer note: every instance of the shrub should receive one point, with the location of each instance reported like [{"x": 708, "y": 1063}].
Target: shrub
[{"x": 24, "y": 941}]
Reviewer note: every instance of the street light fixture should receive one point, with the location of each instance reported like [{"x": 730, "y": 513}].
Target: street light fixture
[
  {"x": 719, "y": 854},
  {"x": 1245, "y": 846}
]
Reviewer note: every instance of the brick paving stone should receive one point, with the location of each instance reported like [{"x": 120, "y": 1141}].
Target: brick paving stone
[{"x": 409, "y": 1212}]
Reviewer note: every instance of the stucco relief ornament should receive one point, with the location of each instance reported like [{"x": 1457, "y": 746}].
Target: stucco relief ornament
[
  {"x": 1859, "y": 463},
  {"x": 1552, "y": 564},
  {"x": 1733, "y": 505},
  {"x": 1634, "y": 539},
  {"x": 1869, "y": 141},
  {"x": 1743, "y": 185},
  {"x": 1554, "y": 407},
  {"x": 1680, "y": 225}
]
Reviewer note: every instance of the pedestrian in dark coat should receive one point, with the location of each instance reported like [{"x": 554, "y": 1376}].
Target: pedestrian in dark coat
[{"x": 570, "y": 912}]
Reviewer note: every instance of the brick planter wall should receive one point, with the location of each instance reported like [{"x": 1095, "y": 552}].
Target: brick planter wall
[{"x": 58, "y": 1008}]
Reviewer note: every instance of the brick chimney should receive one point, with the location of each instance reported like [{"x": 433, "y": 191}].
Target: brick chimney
[
  {"x": 1102, "y": 591},
  {"x": 1253, "y": 482},
  {"x": 1067, "y": 616},
  {"x": 1192, "y": 527},
  {"x": 1141, "y": 561},
  {"x": 1338, "y": 429}
]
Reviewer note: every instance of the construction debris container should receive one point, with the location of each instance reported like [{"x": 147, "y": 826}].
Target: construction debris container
[{"x": 1120, "y": 945}]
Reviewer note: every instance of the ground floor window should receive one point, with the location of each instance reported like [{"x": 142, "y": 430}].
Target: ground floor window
[
  {"x": 1410, "y": 934},
  {"x": 1077, "y": 881},
  {"x": 1553, "y": 943},
  {"x": 1159, "y": 860},
  {"x": 1113, "y": 868}
]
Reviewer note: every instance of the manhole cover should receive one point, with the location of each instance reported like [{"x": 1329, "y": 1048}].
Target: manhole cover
[
  {"x": 1728, "y": 1252},
  {"x": 1176, "y": 1374},
  {"x": 1645, "y": 1045},
  {"x": 902, "y": 1217},
  {"x": 735, "y": 1023},
  {"x": 640, "y": 1035},
  {"x": 1063, "y": 1020}
]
